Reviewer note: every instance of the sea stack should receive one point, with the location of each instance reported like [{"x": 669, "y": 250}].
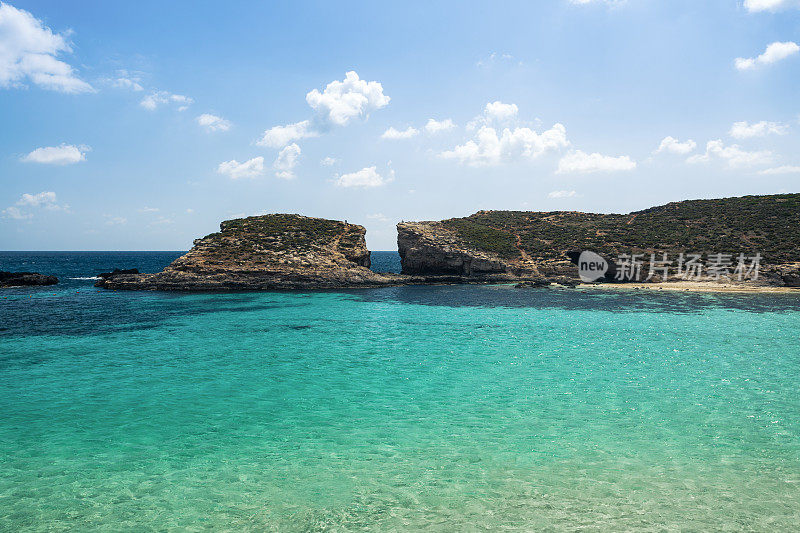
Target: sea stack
[{"x": 269, "y": 252}]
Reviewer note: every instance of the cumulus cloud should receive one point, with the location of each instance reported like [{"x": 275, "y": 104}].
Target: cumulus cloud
[
  {"x": 365, "y": 178},
  {"x": 785, "y": 169},
  {"x": 213, "y": 122},
  {"x": 490, "y": 148},
  {"x": 773, "y": 53},
  {"x": 436, "y": 126},
  {"x": 251, "y": 168},
  {"x": 583, "y": 163},
  {"x": 29, "y": 50},
  {"x": 674, "y": 146},
  {"x": 65, "y": 154},
  {"x": 342, "y": 101},
  {"x": 43, "y": 200},
  {"x": 561, "y": 194},
  {"x": 157, "y": 98},
  {"x": 744, "y": 130},
  {"x": 754, "y": 6},
  {"x": 733, "y": 155},
  {"x": 395, "y": 134},
  {"x": 500, "y": 112},
  {"x": 286, "y": 161},
  {"x": 279, "y": 136},
  {"x": 336, "y": 105},
  {"x": 328, "y": 161}
]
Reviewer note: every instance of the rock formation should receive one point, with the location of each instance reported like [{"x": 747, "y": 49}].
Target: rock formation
[
  {"x": 267, "y": 252},
  {"x": 519, "y": 245},
  {"x": 25, "y": 279}
]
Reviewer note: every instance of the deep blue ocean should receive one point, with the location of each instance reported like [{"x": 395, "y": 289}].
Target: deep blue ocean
[{"x": 443, "y": 408}]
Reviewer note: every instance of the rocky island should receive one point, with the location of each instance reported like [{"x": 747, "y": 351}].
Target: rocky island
[
  {"x": 491, "y": 246},
  {"x": 267, "y": 252},
  {"x": 534, "y": 249}
]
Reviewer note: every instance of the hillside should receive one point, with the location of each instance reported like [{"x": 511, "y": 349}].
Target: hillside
[{"x": 525, "y": 243}]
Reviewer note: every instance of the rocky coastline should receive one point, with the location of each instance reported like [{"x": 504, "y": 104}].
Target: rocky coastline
[
  {"x": 269, "y": 252},
  {"x": 530, "y": 249}
]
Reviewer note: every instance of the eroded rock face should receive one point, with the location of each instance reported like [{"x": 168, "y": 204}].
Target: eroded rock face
[
  {"x": 25, "y": 279},
  {"x": 436, "y": 251},
  {"x": 267, "y": 252}
]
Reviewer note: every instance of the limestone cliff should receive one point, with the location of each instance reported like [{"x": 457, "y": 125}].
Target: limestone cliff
[
  {"x": 267, "y": 252},
  {"x": 498, "y": 245}
]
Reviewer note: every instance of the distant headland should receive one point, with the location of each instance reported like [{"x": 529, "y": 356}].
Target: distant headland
[{"x": 285, "y": 251}]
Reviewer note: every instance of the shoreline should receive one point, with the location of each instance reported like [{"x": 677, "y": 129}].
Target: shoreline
[{"x": 693, "y": 286}]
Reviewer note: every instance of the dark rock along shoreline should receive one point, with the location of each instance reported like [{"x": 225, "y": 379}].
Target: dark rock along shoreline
[
  {"x": 284, "y": 251},
  {"x": 25, "y": 279}
]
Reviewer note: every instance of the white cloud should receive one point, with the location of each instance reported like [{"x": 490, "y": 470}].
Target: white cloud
[
  {"x": 286, "y": 161},
  {"x": 489, "y": 148},
  {"x": 785, "y": 169},
  {"x": 754, "y": 6},
  {"x": 583, "y": 163},
  {"x": 773, "y": 53},
  {"x": 65, "y": 154},
  {"x": 342, "y": 101},
  {"x": 379, "y": 217},
  {"x": 500, "y": 112},
  {"x": 735, "y": 156},
  {"x": 45, "y": 200},
  {"x": 561, "y": 194},
  {"x": 674, "y": 146},
  {"x": 157, "y": 98},
  {"x": 16, "y": 213},
  {"x": 336, "y": 105},
  {"x": 126, "y": 80},
  {"x": 364, "y": 178},
  {"x": 213, "y": 122},
  {"x": 279, "y": 136},
  {"x": 189, "y": 211},
  {"x": 146, "y": 209},
  {"x": 328, "y": 161},
  {"x": 743, "y": 130},
  {"x": 395, "y": 134},
  {"x": 249, "y": 169},
  {"x": 497, "y": 59},
  {"x": 28, "y": 51},
  {"x": 436, "y": 126}
]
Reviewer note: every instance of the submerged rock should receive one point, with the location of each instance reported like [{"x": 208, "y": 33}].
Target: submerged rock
[
  {"x": 25, "y": 279},
  {"x": 266, "y": 252}
]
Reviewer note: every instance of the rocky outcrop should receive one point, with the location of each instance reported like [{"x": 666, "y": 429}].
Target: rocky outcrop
[
  {"x": 267, "y": 252},
  {"x": 439, "y": 251},
  {"x": 521, "y": 245},
  {"x": 25, "y": 279}
]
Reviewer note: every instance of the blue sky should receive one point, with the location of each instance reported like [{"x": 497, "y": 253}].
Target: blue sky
[{"x": 142, "y": 125}]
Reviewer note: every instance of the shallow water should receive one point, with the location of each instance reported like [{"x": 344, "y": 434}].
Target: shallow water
[{"x": 441, "y": 408}]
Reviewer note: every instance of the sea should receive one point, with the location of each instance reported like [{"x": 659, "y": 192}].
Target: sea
[{"x": 434, "y": 408}]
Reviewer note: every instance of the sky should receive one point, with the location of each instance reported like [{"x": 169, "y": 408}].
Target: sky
[{"x": 142, "y": 125}]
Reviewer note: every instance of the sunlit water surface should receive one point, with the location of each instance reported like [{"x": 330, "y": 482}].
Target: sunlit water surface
[{"x": 441, "y": 408}]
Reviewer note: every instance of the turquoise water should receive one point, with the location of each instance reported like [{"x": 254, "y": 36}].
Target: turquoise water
[{"x": 440, "y": 408}]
